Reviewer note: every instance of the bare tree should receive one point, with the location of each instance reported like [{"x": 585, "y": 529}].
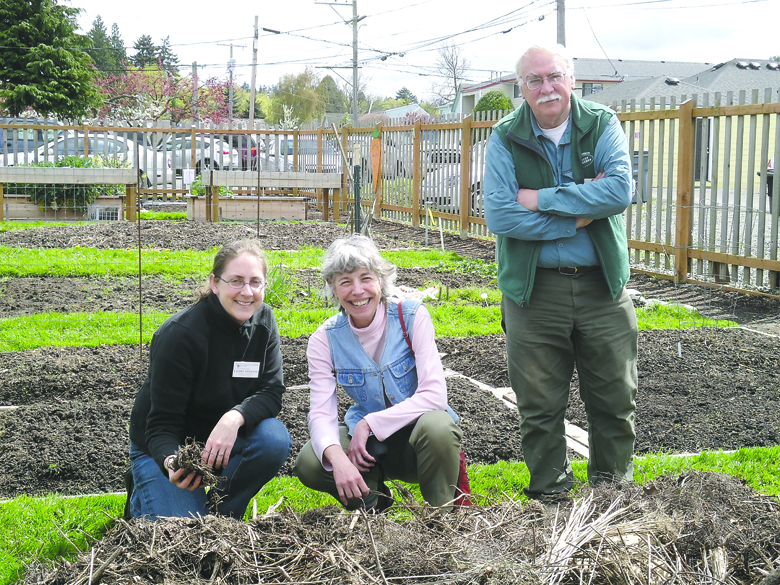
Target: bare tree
[
  {"x": 451, "y": 67},
  {"x": 364, "y": 99}
]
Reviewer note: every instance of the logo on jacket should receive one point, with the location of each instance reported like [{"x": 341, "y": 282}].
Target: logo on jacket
[{"x": 587, "y": 159}]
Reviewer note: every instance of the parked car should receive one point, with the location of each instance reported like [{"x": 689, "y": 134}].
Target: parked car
[
  {"x": 440, "y": 187},
  {"x": 281, "y": 149},
  {"x": 24, "y": 138},
  {"x": 155, "y": 166},
  {"x": 770, "y": 176},
  {"x": 246, "y": 145},
  {"x": 210, "y": 153}
]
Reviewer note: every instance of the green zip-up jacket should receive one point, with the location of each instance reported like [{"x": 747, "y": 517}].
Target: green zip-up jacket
[{"x": 517, "y": 259}]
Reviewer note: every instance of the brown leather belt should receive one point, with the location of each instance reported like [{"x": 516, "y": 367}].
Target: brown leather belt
[{"x": 572, "y": 270}]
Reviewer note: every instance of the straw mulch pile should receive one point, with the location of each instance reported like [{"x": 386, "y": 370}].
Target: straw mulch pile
[{"x": 695, "y": 528}]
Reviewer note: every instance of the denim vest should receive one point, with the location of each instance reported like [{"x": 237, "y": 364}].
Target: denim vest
[{"x": 362, "y": 379}]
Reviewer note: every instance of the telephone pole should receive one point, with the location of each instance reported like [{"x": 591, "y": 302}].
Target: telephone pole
[
  {"x": 355, "y": 20},
  {"x": 354, "y": 65},
  {"x": 231, "y": 64},
  {"x": 195, "y": 115},
  {"x": 254, "y": 80},
  {"x": 561, "y": 12}
]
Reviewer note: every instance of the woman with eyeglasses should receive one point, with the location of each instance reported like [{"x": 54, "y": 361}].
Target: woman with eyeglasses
[{"x": 215, "y": 376}]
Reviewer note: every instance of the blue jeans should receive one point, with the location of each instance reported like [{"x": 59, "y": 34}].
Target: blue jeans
[{"x": 254, "y": 460}]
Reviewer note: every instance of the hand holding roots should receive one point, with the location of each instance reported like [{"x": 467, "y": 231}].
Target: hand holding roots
[{"x": 189, "y": 457}]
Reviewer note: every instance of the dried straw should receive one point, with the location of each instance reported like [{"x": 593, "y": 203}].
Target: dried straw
[{"x": 693, "y": 529}]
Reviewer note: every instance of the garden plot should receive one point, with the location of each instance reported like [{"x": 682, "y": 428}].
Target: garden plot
[{"x": 698, "y": 389}]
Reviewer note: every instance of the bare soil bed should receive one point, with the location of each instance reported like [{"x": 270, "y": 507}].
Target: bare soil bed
[{"x": 699, "y": 388}]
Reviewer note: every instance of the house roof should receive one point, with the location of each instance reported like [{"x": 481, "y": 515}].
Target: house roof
[
  {"x": 610, "y": 70},
  {"x": 401, "y": 111},
  {"x": 734, "y": 76},
  {"x": 586, "y": 69}
]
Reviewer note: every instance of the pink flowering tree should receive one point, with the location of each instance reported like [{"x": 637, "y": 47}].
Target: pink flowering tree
[{"x": 152, "y": 93}]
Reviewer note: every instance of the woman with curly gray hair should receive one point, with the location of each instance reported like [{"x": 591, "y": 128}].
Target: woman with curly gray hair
[{"x": 382, "y": 352}]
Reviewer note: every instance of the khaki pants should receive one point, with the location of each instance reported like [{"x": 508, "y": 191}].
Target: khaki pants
[
  {"x": 426, "y": 453},
  {"x": 568, "y": 321}
]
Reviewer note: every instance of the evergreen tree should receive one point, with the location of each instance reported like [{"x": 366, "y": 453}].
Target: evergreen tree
[
  {"x": 406, "y": 96},
  {"x": 167, "y": 59},
  {"x": 44, "y": 64},
  {"x": 145, "y": 52},
  {"x": 120, "y": 53},
  {"x": 102, "y": 52},
  {"x": 331, "y": 96}
]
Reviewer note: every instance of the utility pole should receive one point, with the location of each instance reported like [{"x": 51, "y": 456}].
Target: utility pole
[
  {"x": 231, "y": 64},
  {"x": 254, "y": 80},
  {"x": 355, "y": 20},
  {"x": 561, "y": 11},
  {"x": 195, "y": 117},
  {"x": 355, "y": 64}
]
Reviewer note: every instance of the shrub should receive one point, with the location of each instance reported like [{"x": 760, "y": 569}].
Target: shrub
[
  {"x": 198, "y": 189},
  {"x": 73, "y": 196},
  {"x": 494, "y": 100}
]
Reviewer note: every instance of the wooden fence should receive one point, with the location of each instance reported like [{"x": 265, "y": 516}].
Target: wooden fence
[{"x": 705, "y": 210}]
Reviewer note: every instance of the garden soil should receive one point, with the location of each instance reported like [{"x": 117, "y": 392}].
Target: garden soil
[{"x": 699, "y": 388}]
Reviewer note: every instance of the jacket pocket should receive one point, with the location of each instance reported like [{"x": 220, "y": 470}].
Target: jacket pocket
[
  {"x": 405, "y": 374},
  {"x": 354, "y": 384}
]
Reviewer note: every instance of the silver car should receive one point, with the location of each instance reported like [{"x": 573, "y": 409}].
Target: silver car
[
  {"x": 154, "y": 165},
  {"x": 440, "y": 188},
  {"x": 280, "y": 150},
  {"x": 211, "y": 153}
]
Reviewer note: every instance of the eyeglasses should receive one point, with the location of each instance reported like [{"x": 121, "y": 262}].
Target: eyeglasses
[
  {"x": 239, "y": 284},
  {"x": 537, "y": 82}
]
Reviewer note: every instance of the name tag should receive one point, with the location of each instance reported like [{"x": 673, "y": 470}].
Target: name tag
[{"x": 246, "y": 369}]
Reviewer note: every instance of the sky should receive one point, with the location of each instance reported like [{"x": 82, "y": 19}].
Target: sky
[{"x": 491, "y": 34}]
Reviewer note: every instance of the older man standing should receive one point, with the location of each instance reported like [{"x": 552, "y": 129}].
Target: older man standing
[{"x": 557, "y": 180}]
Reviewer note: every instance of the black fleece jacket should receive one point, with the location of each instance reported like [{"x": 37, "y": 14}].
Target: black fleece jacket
[{"x": 190, "y": 382}]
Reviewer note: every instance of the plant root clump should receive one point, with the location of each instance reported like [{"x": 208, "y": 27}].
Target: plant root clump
[
  {"x": 189, "y": 457},
  {"x": 688, "y": 529}
]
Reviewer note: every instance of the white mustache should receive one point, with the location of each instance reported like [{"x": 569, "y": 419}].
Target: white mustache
[{"x": 549, "y": 98}]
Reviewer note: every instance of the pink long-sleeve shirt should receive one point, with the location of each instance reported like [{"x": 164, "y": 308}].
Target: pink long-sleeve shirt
[{"x": 431, "y": 391}]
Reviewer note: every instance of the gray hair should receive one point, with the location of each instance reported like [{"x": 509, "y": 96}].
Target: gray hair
[
  {"x": 556, "y": 49},
  {"x": 346, "y": 255}
]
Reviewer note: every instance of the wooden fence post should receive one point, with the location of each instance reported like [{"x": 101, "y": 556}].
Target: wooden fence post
[
  {"x": 214, "y": 199},
  {"x": 343, "y": 194},
  {"x": 683, "y": 237},
  {"x": 131, "y": 203},
  {"x": 416, "y": 172},
  {"x": 193, "y": 152},
  {"x": 465, "y": 178},
  {"x": 318, "y": 192}
]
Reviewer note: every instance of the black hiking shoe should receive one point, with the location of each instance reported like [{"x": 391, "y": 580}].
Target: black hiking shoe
[
  {"x": 385, "y": 499},
  {"x": 129, "y": 487}
]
